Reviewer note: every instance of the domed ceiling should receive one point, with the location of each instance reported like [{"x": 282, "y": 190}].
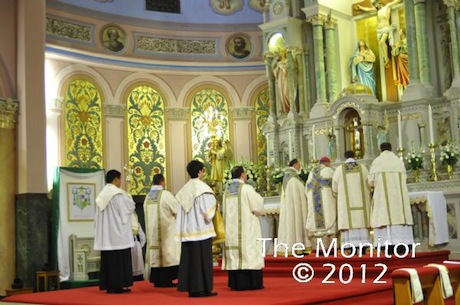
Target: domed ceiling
[{"x": 191, "y": 11}]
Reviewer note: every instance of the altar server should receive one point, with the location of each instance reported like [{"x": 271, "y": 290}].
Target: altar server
[
  {"x": 113, "y": 235},
  {"x": 349, "y": 185},
  {"x": 195, "y": 230},
  {"x": 391, "y": 215},
  {"x": 163, "y": 251},
  {"x": 293, "y": 209},
  {"x": 242, "y": 256},
  {"x": 322, "y": 211}
]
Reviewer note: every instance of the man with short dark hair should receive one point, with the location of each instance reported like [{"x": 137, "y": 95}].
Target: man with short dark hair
[
  {"x": 195, "y": 230},
  {"x": 242, "y": 206},
  {"x": 391, "y": 215},
  {"x": 113, "y": 235},
  {"x": 349, "y": 185},
  {"x": 163, "y": 252}
]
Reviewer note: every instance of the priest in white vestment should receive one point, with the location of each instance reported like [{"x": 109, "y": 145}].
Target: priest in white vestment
[
  {"x": 163, "y": 251},
  {"x": 322, "y": 211},
  {"x": 242, "y": 256},
  {"x": 349, "y": 185},
  {"x": 293, "y": 210},
  {"x": 195, "y": 230},
  {"x": 391, "y": 215},
  {"x": 113, "y": 235}
]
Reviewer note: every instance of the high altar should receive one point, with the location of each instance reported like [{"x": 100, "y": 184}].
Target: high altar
[{"x": 408, "y": 95}]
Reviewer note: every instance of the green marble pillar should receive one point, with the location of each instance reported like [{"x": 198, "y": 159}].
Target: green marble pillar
[
  {"x": 411, "y": 40},
  {"x": 453, "y": 40},
  {"x": 331, "y": 60},
  {"x": 318, "y": 46},
  {"x": 422, "y": 42}
]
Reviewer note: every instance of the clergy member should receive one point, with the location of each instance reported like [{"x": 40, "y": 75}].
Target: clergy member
[
  {"x": 349, "y": 185},
  {"x": 195, "y": 230},
  {"x": 391, "y": 215},
  {"x": 242, "y": 256},
  {"x": 113, "y": 235},
  {"x": 293, "y": 210},
  {"x": 163, "y": 251},
  {"x": 322, "y": 213}
]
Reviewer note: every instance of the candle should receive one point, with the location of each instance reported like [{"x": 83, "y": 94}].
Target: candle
[
  {"x": 313, "y": 144},
  {"x": 399, "y": 130},
  {"x": 290, "y": 145},
  {"x": 268, "y": 149},
  {"x": 430, "y": 120}
]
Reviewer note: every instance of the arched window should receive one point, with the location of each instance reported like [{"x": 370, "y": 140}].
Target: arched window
[
  {"x": 146, "y": 138},
  {"x": 83, "y": 146}
]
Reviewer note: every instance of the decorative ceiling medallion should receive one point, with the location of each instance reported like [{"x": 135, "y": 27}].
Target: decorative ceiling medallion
[{"x": 226, "y": 7}]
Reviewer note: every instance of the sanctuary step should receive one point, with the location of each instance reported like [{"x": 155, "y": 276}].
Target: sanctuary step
[{"x": 372, "y": 266}]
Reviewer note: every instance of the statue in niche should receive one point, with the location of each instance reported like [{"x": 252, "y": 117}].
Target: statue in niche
[
  {"x": 385, "y": 30},
  {"x": 219, "y": 154},
  {"x": 399, "y": 52},
  {"x": 280, "y": 71},
  {"x": 362, "y": 66},
  {"x": 331, "y": 151},
  {"x": 382, "y": 131}
]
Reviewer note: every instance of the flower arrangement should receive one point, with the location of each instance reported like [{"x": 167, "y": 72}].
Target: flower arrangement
[
  {"x": 250, "y": 169},
  {"x": 277, "y": 175},
  {"x": 415, "y": 159},
  {"x": 449, "y": 154}
]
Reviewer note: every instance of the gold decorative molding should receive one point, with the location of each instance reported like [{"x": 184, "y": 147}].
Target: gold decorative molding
[
  {"x": 8, "y": 113},
  {"x": 178, "y": 114},
  {"x": 317, "y": 20},
  {"x": 180, "y": 46},
  {"x": 452, "y": 3},
  {"x": 68, "y": 29},
  {"x": 115, "y": 110}
]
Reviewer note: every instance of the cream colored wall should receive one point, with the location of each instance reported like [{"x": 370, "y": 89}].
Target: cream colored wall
[{"x": 8, "y": 49}]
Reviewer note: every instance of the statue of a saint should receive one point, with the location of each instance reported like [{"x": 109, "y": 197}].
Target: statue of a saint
[
  {"x": 362, "y": 66},
  {"x": 330, "y": 148},
  {"x": 219, "y": 155},
  {"x": 280, "y": 71},
  {"x": 401, "y": 56}
]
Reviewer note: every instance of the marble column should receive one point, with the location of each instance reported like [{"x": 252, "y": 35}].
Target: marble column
[
  {"x": 8, "y": 114},
  {"x": 422, "y": 42},
  {"x": 338, "y": 140},
  {"x": 318, "y": 44},
  {"x": 452, "y": 6},
  {"x": 367, "y": 137},
  {"x": 298, "y": 57},
  {"x": 415, "y": 89},
  {"x": 331, "y": 60},
  {"x": 268, "y": 58}
]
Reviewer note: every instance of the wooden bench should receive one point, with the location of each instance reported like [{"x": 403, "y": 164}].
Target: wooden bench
[{"x": 430, "y": 282}]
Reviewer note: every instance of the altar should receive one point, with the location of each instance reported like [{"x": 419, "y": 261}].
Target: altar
[{"x": 434, "y": 208}]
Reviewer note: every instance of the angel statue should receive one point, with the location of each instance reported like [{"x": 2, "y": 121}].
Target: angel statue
[
  {"x": 382, "y": 131},
  {"x": 219, "y": 154}
]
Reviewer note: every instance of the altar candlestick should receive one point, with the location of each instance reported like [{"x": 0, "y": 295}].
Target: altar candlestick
[
  {"x": 399, "y": 130},
  {"x": 313, "y": 142},
  {"x": 430, "y": 121},
  {"x": 290, "y": 146},
  {"x": 268, "y": 149}
]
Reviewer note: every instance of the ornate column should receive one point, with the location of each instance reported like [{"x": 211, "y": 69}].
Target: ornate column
[
  {"x": 8, "y": 115},
  {"x": 415, "y": 89},
  {"x": 331, "y": 59},
  {"x": 298, "y": 57},
  {"x": 293, "y": 79},
  {"x": 268, "y": 58},
  {"x": 452, "y": 6},
  {"x": 368, "y": 140},
  {"x": 338, "y": 140},
  {"x": 422, "y": 42},
  {"x": 318, "y": 43}
]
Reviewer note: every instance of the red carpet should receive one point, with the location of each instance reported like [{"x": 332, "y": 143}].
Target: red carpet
[{"x": 280, "y": 287}]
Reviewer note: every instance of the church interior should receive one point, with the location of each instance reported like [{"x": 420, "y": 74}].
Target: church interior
[{"x": 146, "y": 86}]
